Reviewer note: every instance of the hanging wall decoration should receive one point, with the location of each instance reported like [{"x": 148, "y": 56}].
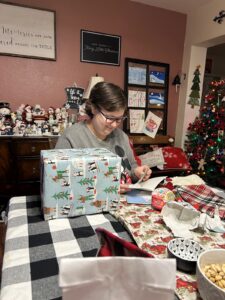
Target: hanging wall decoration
[
  {"x": 100, "y": 48},
  {"x": 195, "y": 88},
  {"x": 27, "y": 31}
]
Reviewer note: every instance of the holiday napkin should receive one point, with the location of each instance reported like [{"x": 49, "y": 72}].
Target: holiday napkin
[
  {"x": 180, "y": 218},
  {"x": 183, "y": 220}
]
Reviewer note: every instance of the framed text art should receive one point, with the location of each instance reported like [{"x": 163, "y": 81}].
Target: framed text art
[
  {"x": 74, "y": 96},
  {"x": 27, "y": 32},
  {"x": 100, "y": 48}
]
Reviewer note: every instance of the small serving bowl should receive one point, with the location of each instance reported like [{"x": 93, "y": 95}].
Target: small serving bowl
[
  {"x": 186, "y": 252},
  {"x": 207, "y": 289}
]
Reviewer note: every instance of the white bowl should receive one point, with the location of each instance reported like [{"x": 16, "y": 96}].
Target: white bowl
[
  {"x": 186, "y": 252},
  {"x": 207, "y": 289}
]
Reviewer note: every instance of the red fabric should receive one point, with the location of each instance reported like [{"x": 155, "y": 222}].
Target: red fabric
[
  {"x": 112, "y": 245},
  {"x": 175, "y": 158},
  {"x": 125, "y": 178}
]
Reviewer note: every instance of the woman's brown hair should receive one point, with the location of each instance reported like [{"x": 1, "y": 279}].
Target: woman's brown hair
[{"x": 107, "y": 96}]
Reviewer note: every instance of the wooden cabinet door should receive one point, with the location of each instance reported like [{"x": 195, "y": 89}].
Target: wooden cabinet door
[{"x": 5, "y": 160}]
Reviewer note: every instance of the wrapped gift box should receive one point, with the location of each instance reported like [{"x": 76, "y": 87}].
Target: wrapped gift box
[{"x": 79, "y": 181}]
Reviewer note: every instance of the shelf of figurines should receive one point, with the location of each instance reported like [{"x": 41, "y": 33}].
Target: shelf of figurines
[{"x": 36, "y": 121}]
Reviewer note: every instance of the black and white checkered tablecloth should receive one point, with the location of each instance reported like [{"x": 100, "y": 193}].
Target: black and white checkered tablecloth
[{"x": 34, "y": 247}]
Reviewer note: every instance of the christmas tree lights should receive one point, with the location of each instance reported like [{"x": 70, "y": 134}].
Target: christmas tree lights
[{"x": 205, "y": 146}]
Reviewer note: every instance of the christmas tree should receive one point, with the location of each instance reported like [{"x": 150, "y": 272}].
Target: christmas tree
[
  {"x": 205, "y": 146},
  {"x": 195, "y": 95}
]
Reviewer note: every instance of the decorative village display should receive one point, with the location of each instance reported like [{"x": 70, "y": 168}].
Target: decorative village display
[{"x": 35, "y": 120}]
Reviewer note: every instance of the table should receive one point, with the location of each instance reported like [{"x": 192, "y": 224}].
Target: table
[
  {"x": 34, "y": 247},
  {"x": 150, "y": 233}
]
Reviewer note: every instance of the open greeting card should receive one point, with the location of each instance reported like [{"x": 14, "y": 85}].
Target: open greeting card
[
  {"x": 148, "y": 185},
  {"x": 139, "y": 197},
  {"x": 141, "y": 193}
]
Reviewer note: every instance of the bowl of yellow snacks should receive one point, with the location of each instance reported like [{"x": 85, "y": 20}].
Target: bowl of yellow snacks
[{"x": 211, "y": 274}]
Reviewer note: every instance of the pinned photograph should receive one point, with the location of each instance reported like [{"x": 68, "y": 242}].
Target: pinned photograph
[
  {"x": 137, "y": 75},
  {"x": 156, "y": 98},
  {"x": 157, "y": 77},
  {"x": 137, "y": 119}
]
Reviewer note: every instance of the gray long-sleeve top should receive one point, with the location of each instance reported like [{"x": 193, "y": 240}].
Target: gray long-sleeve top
[{"x": 80, "y": 136}]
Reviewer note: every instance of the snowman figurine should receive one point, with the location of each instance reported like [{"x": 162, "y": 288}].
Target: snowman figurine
[
  {"x": 5, "y": 118},
  {"x": 4, "y": 109}
]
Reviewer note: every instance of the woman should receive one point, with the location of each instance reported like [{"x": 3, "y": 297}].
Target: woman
[{"x": 106, "y": 108}]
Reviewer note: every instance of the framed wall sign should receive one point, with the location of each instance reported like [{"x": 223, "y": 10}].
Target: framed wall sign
[
  {"x": 74, "y": 96},
  {"x": 27, "y": 32},
  {"x": 100, "y": 48}
]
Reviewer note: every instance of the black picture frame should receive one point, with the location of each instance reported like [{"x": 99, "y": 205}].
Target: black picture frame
[
  {"x": 100, "y": 48},
  {"x": 27, "y": 31},
  {"x": 153, "y": 78},
  {"x": 74, "y": 96}
]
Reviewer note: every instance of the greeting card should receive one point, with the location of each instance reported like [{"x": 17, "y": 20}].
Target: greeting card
[{"x": 151, "y": 124}]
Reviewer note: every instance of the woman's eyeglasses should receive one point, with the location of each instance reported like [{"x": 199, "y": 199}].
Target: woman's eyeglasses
[{"x": 111, "y": 120}]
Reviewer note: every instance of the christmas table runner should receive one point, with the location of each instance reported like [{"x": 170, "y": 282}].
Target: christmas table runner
[{"x": 149, "y": 231}]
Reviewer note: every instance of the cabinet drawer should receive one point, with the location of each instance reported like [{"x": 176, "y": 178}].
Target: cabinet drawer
[
  {"x": 29, "y": 147},
  {"x": 28, "y": 169},
  {"x": 5, "y": 188},
  {"x": 5, "y": 160}
]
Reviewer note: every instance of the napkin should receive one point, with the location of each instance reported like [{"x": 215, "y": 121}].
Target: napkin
[
  {"x": 180, "y": 217},
  {"x": 187, "y": 180},
  {"x": 183, "y": 220}
]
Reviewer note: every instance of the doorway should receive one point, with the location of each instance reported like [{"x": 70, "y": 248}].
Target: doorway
[{"x": 214, "y": 66}]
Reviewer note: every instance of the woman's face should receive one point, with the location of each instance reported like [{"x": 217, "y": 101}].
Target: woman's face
[{"x": 104, "y": 122}]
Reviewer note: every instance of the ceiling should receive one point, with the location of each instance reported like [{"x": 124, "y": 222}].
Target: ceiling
[{"x": 182, "y": 6}]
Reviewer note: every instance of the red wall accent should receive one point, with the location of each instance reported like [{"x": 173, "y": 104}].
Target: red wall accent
[{"x": 147, "y": 33}]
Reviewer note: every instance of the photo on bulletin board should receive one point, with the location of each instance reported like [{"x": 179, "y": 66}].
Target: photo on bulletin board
[
  {"x": 136, "y": 119},
  {"x": 100, "y": 48},
  {"x": 157, "y": 77},
  {"x": 137, "y": 74},
  {"x": 27, "y": 32},
  {"x": 136, "y": 97},
  {"x": 156, "y": 98}
]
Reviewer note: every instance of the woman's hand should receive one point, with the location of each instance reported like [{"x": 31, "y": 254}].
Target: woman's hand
[
  {"x": 139, "y": 171},
  {"x": 124, "y": 187}
]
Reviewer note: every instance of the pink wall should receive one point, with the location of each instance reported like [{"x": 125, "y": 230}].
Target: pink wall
[{"x": 147, "y": 33}]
